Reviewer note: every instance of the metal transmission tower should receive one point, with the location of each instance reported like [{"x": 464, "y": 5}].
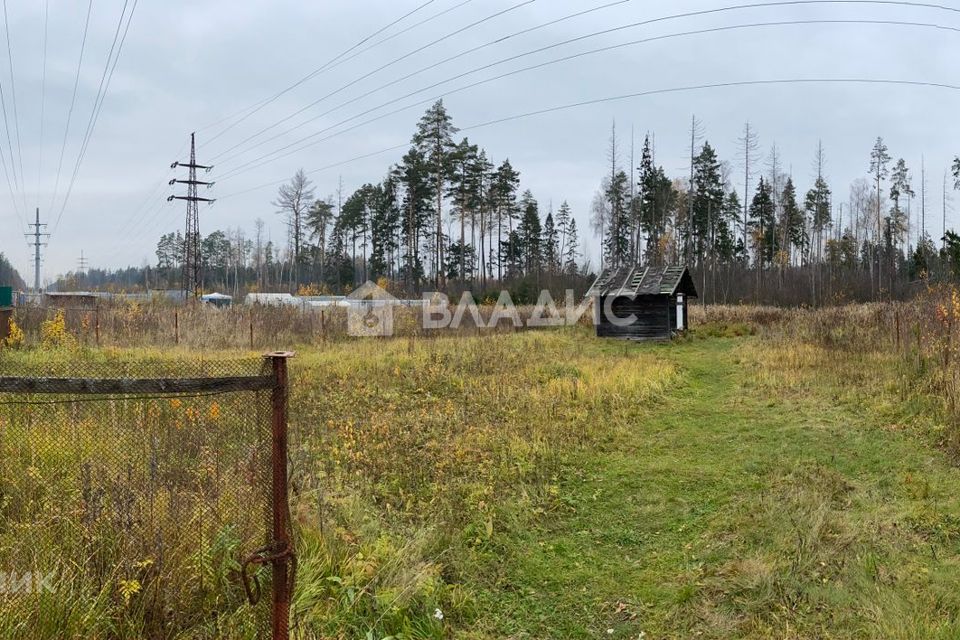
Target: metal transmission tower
[
  {"x": 82, "y": 265},
  {"x": 36, "y": 234},
  {"x": 191, "y": 237}
]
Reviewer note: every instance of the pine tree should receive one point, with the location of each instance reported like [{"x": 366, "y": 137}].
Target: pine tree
[
  {"x": 384, "y": 228},
  {"x": 763, "y": 224},
  {"x": 416, "y": 212},
  {"x": 726, "y": 246},
  {"x": 529, "y": 235},
  {"x": 434, "y": 140},
  {"x": 708, "y": 197},
  {"x": 879, "y": 159},
  {"x": 464, "y": 190},
  {"x": 792, "y": 223},
  {"x": 563, "y": 230},
  {"x": 817, "y": 206},
  {"x": 504, "y": 198},
  {"x": 482, "y": 171},
  {"x": 572, "y": 250},
  {"x": 617, "y": 243},
  {"x": 317, "y": 221},
  {"x": 551, "y": 245},
  {"x": 900, "y": 187}
]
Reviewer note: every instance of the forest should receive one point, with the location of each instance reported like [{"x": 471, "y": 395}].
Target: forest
[
  {"x": 8, "y": 275},
  {"x": 447, "y": 217}
]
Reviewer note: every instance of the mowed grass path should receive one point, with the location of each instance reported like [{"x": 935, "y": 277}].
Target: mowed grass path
[{"x": 735, "y": 508}]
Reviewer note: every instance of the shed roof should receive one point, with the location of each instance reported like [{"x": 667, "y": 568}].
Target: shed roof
[{"x": 633, "y": 281}]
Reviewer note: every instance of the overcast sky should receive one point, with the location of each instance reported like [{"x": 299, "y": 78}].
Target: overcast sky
[{"x": 186, "y": 65}]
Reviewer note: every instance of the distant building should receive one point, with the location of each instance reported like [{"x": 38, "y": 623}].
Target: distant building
[
  {"x": 70, "y": 299},
  {"x": 217, "y": 300},
  {"x": 642, "y": 303},
  {"x": 272, "y": 299}
]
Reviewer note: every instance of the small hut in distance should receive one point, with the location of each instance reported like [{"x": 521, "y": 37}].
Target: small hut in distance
[{"x": 656, "y": 297}]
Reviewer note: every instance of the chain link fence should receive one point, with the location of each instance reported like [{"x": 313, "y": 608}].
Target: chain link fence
[{"x": 144, "y": 499}]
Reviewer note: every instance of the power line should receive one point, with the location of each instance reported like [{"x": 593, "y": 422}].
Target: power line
[
  {"x": 492, "y": 16},
  {"x": 43, "y": 95},
  {"x": 132, "y": 221},
  {"x": 499, "y": 40},
  {"x": 105, "y": 79},
  {"x": 13, "y": 97},
  {"x": 653, "y": 92},
  {"x": 192, "y": 281},
  {"x": 671, "y": 17},
  {"x": 13, "y": 168},
  {"x": 257, "y": 107},
  {"x": 73, "y": 102},
  {"x": 403, "y": 31},
  {"x": 243, "y": 168},
  {"x": 335, "y": 62}
]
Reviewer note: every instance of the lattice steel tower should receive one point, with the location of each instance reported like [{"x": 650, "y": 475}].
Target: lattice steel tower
[
  {"x": 192, "y": 275},
  {"x": 37, "y": 234}
]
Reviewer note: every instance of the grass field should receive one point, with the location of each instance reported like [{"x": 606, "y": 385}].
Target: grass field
[{"x": 551, "y": 485}]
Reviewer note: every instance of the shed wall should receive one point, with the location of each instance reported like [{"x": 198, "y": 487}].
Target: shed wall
[{"x": 652, "y": 317}]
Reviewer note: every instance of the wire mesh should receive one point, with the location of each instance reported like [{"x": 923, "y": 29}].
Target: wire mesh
[{"x": 130, "y": 514}]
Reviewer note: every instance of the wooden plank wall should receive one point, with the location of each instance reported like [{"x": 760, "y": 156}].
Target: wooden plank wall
[{"x": 653, "y": 318}]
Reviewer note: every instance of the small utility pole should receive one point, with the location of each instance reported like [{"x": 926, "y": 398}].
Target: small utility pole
[
  {"x": 81, "y": 268},
  {"x": 36, "y": 234},
  {"x": 191, "y": 238},
  {"x": 944, "y": 237}
]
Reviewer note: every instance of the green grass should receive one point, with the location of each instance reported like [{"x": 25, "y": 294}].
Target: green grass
[
  {"x": 733, "y": 510},
  {"x": 552, "y": 485}
]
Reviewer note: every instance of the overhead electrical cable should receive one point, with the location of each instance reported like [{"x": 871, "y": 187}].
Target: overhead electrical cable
[
  {"x": 249, "y": 111},
  {"x": 43, "y": 95},
  {"x": 287, "y": 151},
  {"x": 383, "y": 67},
  {"x": 73, "y": 102},
  {"x": 104, "y": 87},
  {"x": 134, "y": 219},
  {"x": 402, "y": 32},
  {"x": 639, "y": 94},
  {"x": 13, "y": 99},
  {"x": 671, "y": 17}
]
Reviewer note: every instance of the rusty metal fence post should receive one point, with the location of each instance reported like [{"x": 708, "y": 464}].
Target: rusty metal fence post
[{"x": 283, "y": 560}]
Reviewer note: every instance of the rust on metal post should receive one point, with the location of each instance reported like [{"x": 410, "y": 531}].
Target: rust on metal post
[{"x": 283, "y": 555}]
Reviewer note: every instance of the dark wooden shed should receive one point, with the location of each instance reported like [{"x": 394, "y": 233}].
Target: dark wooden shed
[{"x": 655, "y": 297}]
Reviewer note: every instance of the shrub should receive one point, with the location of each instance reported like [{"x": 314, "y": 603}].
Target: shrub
[
  {"x": 54, "y": 333},
  {"x": 15, "y": 335}
]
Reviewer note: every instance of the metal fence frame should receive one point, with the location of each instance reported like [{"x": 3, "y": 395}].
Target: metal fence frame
[{"x": 279, "y": 553}]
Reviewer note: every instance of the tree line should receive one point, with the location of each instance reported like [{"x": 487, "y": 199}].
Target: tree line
[
  {"x": 869, "y": 246},
  {"x": 448, "y": 217},
  {"x": 444, "y": 217},
  {"x": 8, "y": 275}
]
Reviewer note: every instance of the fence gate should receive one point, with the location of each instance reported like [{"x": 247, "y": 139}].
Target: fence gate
[{"x": 144, "y": 499}]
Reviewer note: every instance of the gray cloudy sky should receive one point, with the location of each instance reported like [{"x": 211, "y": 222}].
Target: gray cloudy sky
[{"x": 185, "y": 65}]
